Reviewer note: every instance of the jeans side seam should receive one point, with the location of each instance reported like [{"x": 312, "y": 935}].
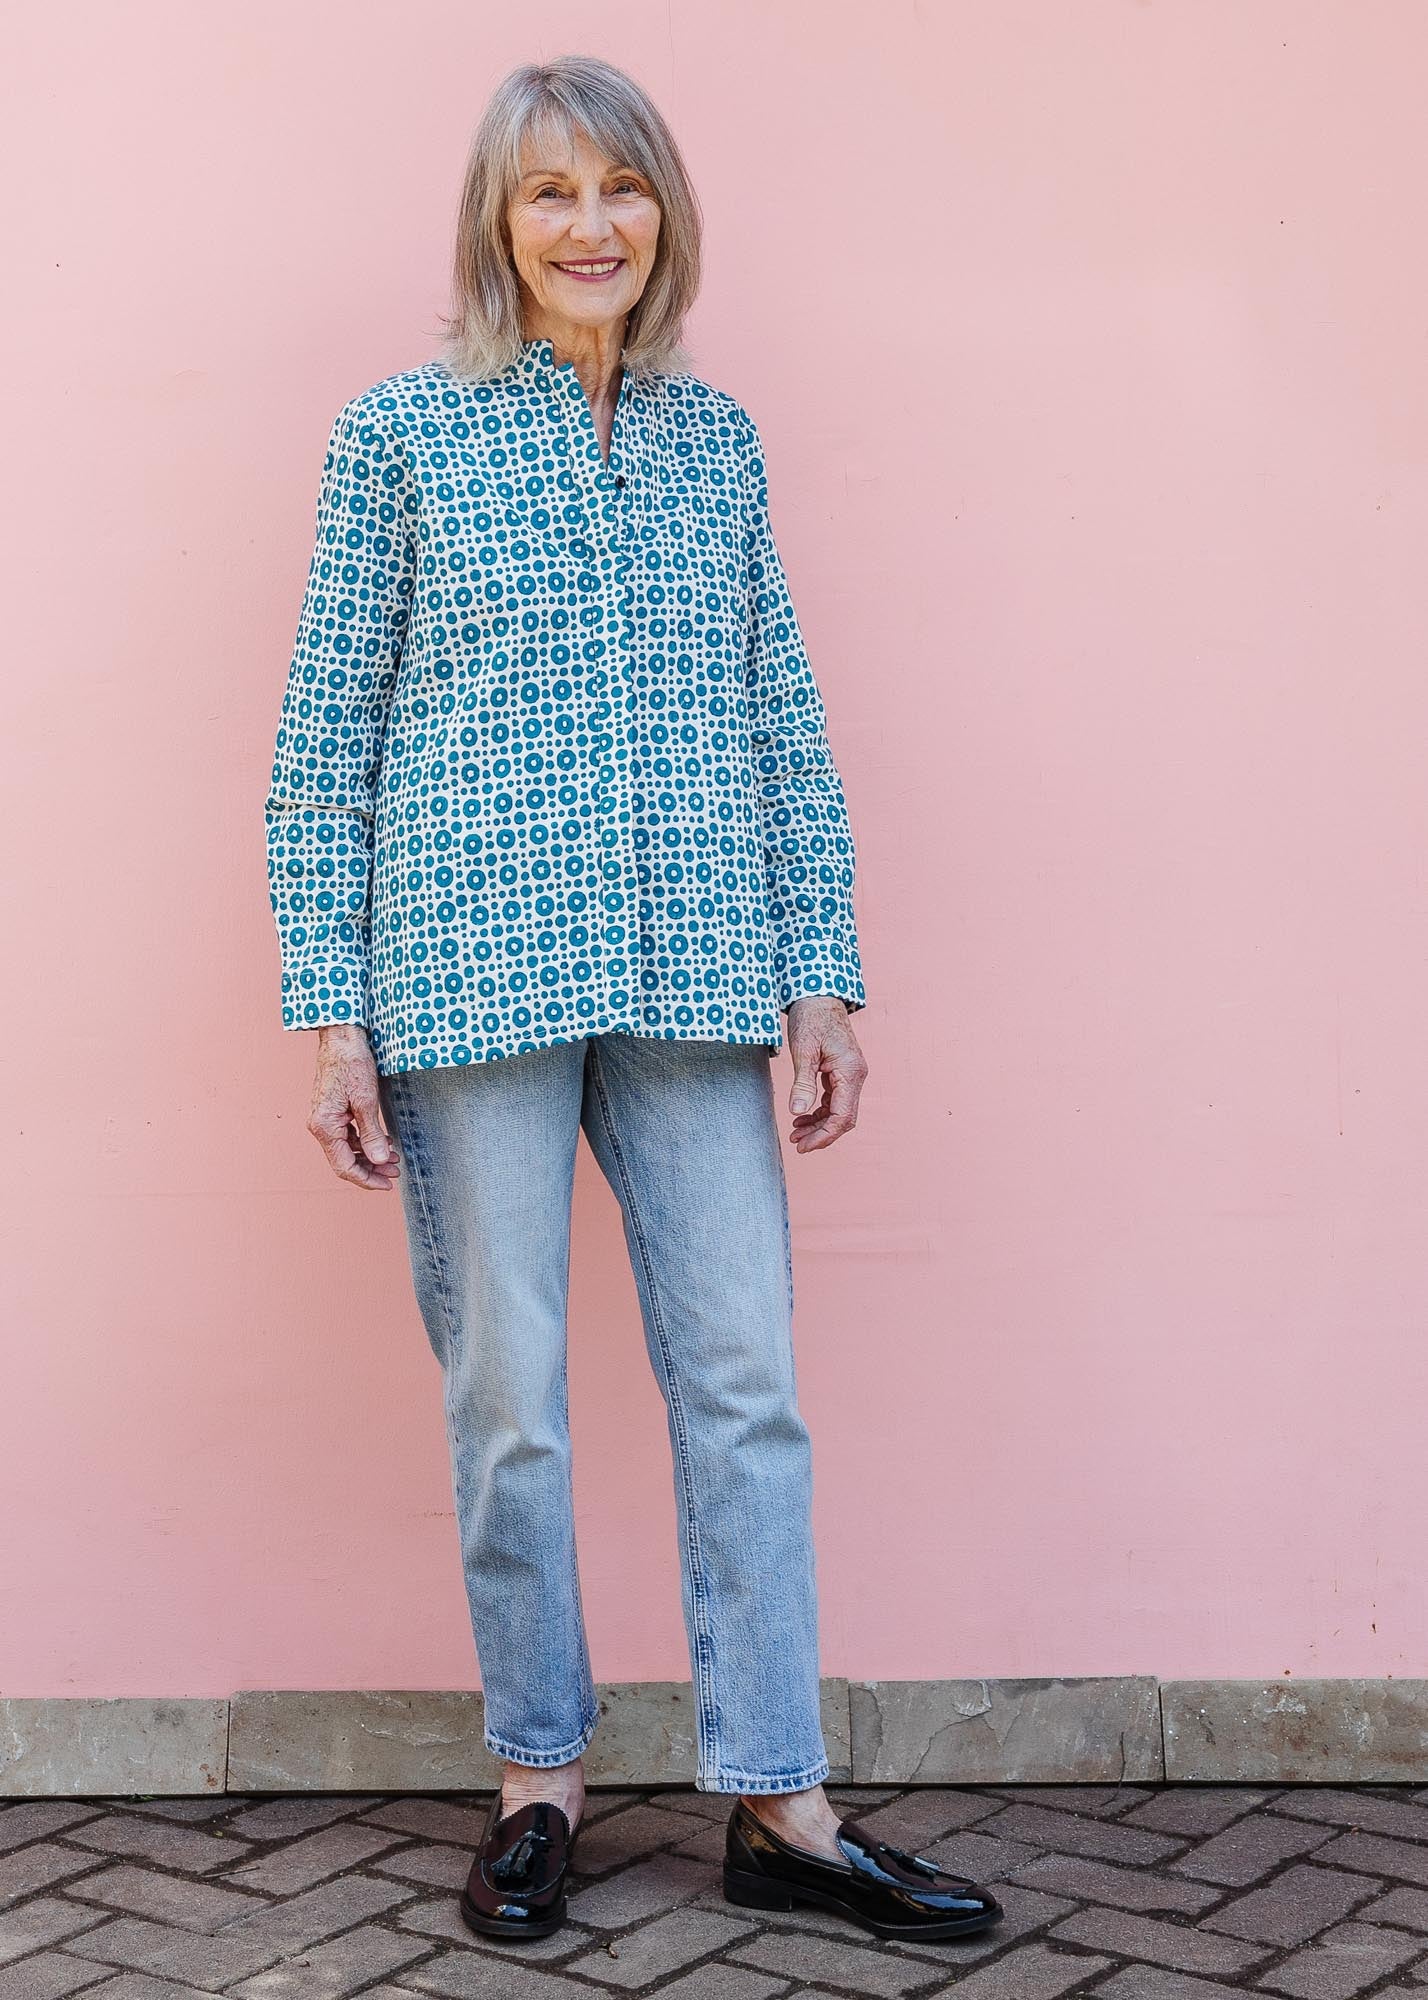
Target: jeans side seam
[
  {"x": 787, "y": 1245},
  {"x": 443, "y": 1292},
  {"x": 593, "y": 1703},
  {"x": 433, "y": 1248},
  {"x": 704, "y": 1646},
  {"x": 498, "y": 1745}
]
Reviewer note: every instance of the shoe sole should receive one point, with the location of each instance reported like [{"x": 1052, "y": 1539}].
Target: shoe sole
[
  {"x": 502, "y": 1927},
  {"x": 758, "y": 1892}
]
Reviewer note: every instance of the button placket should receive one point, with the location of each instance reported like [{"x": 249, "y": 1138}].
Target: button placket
[
  {"x": 615, "y": 566},
  {"x": 602, "y": 548}
]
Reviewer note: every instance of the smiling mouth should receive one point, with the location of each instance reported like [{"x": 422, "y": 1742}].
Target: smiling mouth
[{"x": 594, "y": 268}]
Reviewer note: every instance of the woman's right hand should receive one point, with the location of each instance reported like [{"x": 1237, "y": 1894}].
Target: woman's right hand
[{"x": 346, "y": 1108}]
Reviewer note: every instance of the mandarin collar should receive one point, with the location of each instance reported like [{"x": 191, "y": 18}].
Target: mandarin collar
[{"x": 537, "y": 363}]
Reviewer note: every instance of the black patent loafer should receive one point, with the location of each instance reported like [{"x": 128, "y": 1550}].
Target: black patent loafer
[
  {"x": 516, "y": 1887},
  {"x": 881, "y": 1887}
]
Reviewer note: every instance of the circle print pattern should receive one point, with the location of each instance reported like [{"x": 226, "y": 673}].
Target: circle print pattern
[{"x": 551, "y": 760}]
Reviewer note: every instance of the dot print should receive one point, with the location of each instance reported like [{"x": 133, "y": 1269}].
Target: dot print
[{"x": 551, "y": 761}]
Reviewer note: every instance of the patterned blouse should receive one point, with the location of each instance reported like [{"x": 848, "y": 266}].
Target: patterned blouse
[{"x": 551, "y": 761}]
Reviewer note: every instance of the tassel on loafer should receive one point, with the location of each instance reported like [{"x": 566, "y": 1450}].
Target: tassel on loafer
[
  {"x": 516, "y": 1887},
  {"x": 878, "y": 1886}
]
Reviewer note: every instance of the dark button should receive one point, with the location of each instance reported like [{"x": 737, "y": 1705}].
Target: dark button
[{"x": 619, "y": 478}]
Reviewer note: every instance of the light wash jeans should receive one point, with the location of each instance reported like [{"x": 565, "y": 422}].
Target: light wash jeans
[{"x": 686, "y": 1135}]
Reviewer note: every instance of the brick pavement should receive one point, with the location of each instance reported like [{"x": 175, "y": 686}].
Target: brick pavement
[{"x": 1130, "y": 1892}]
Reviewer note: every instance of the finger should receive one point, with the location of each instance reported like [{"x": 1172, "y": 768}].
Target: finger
[
  {"x": 365, "y": 1174},
  {"x": 334, "y": 1132},
  {"x": 806, "y": 1062},
  {"x": 819, "y": 1109},
  {"x": 374, "y": 1142},
  {"x": 838, "y": 1114},
  {"x": 365, "y": 1171},
  {"x": 360, "y": 1173},
  {"x": 337, "y": 1147}
]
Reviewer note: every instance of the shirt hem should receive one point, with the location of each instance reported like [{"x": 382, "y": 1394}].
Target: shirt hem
[{"x": 532, "y": 1044}]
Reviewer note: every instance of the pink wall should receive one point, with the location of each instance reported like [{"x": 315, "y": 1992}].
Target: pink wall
[{"x": 1087, "y": 343}]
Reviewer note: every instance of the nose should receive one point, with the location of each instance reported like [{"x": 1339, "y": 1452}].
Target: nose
[{"x": 590, "y": 225}]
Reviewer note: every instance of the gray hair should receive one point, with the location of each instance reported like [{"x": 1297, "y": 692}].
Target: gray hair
[{"x": 483, "y": 334}]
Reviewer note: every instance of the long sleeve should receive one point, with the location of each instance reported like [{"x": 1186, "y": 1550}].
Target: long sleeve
[
  {"x": 809, "y": 858},
  {"x": 319, "y": 812}
]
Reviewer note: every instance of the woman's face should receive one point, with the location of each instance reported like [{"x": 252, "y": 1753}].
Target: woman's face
[{"x": 583, "y": 234}]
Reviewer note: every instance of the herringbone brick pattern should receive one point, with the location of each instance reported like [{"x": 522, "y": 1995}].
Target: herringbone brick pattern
[{"x": 1169, "y": 1892}]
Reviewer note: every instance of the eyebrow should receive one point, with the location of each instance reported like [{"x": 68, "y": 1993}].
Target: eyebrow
[{"x": 563, "y": 173}]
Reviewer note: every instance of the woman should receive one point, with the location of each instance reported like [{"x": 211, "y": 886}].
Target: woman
[{"x": 555, "y": 839}]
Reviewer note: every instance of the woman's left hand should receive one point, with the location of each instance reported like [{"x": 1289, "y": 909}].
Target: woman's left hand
[{"x": 823, "y": 1046}]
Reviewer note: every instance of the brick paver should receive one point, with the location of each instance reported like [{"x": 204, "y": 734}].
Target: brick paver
[
  {"x": 1247, "y": 1851},
  {"x": 1294, "y": 1906},
  {"x": 29, "y": 1868},
  {"x": 1180, "y": 1947},
  {"x": 170, "y": 1898},
  {"x": 715, "y": 1981},
  {"x": 1370, "y": 1814},
  {"x": 298, "y": 1812},
  {"x": 190, "y": 1850},
  {"x": 45, "y": 1977},
  {"x": 1342, "y": 1963},
  {"x": 35, "y": 1818},
  {"x": 1111, "y": 1800},
  {"x": 1129, "y": 1892},
  {"x": 1400, "y": 1860},
  {"x": 916, "y": 1818},
  {"x": 1153, "y": 1982},
  {"x": 143, "y": 1986},
  {"x": 1034, "y": 1973},
  {"x": 40, "y": 1921},
  {"x": 474, "y": 1976},
  {"x": 614, "y": 1839},
  {"x": 979, "y": 1855},
  {"x": 187, "y": 1957},
  {"x": 317, "y": 1856},
  {"x": 657, "y": 1951},
  {"x": 1197, "y": 1809},
  {"x": 1405, "y": 1908},
  {"x": 863, "y": 1968},
  {"x": 1074, "y": 1833},
  {"x": 435, "y": 1864},
  {"x": 343, "y": 1965},
  {"x": 1107, "y": 1882},
  {"x": 645, "y": 1889}
]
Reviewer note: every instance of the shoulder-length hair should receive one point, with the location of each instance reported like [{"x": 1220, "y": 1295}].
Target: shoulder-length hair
[{"x": 483, "y": 334}]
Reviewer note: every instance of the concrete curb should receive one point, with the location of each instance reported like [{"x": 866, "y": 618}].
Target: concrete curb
[{"x": 1106, "y": 1729}]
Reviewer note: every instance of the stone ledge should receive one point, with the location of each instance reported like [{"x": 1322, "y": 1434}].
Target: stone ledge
[
  {"x": 1075, "y": 1730},
  {"x": 378, "y": 1742},
  {"x": 358, "y": 1740},
  {"x": 67, "y": 1746},
  {"x": 1091, "y": 1731},
  {"x": 1324, "y": 1732}
]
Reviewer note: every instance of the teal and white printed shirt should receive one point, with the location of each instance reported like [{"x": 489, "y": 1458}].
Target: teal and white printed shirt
[{"x": 551, "y": 760}]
